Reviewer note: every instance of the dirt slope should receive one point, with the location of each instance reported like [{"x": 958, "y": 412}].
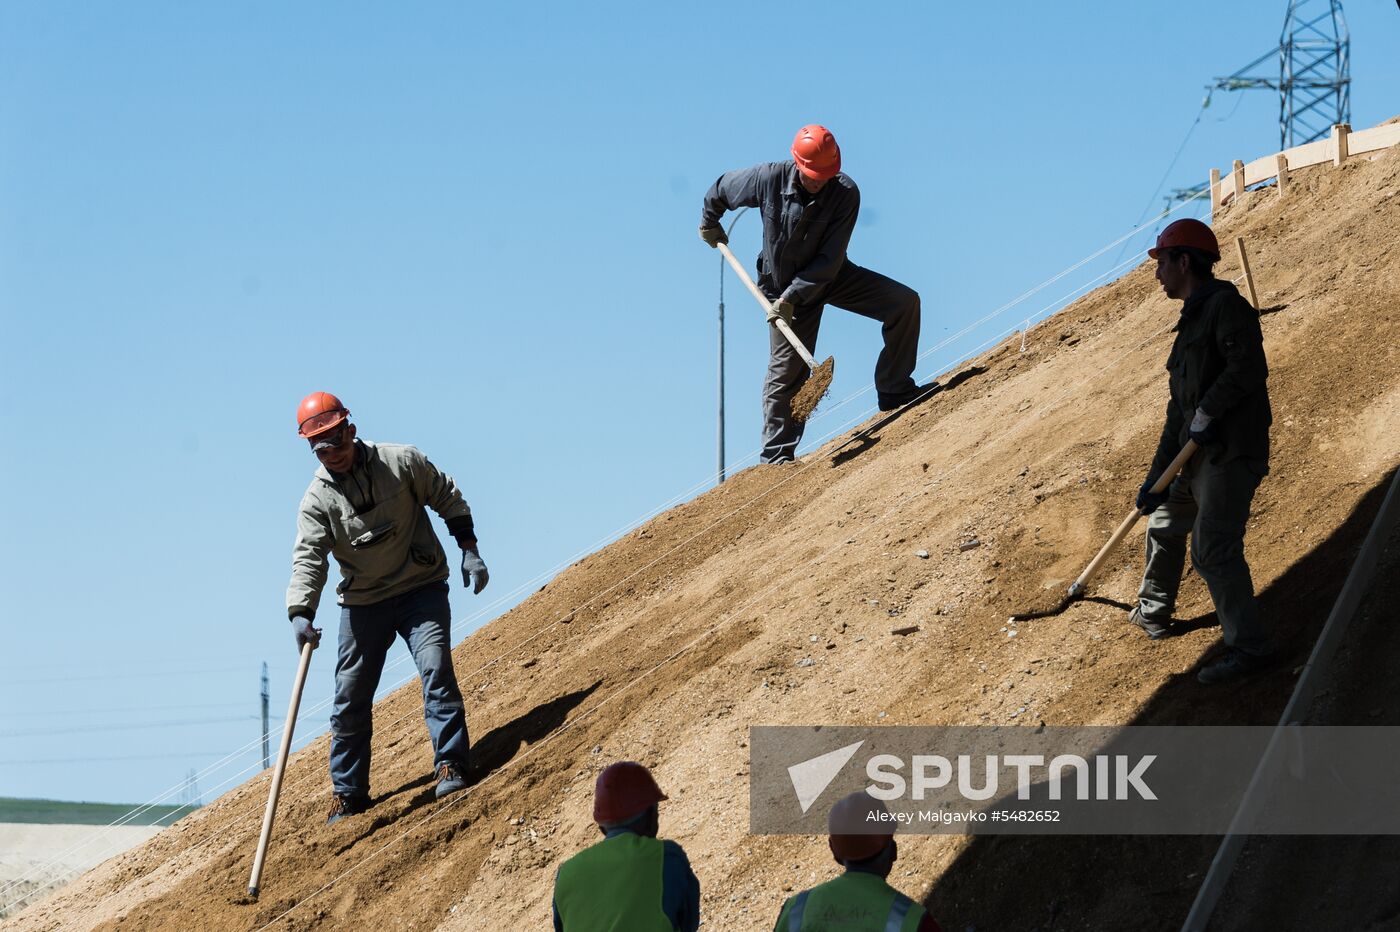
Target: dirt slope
[{"x": 669, "y": 644}]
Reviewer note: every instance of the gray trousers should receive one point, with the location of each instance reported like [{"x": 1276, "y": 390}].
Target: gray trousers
[
  {"x": 1210, "y": 502},
  {"x": 862, "y": 292}
]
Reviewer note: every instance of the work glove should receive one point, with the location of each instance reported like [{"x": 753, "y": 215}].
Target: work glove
[
  {"x": 305, "y": 632},
  {"x": 474, "y": 574},
  {"x": 1149, "y": 501},
  {"x": 1201, "y": 429},
  {"x": 781, "y": 308},
  {"x": 713, "y": 235}
]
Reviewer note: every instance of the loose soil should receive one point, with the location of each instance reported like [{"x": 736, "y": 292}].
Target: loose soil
[
  {"x": 667, "y": 645},
  {"x": 813, "y": 390}
]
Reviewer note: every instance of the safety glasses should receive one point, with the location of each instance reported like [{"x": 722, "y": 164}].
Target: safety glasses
[{"x": 330, "y": 440}]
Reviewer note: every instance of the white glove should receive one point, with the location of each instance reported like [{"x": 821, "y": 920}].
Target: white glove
[{"x": 1200, "y": 421}]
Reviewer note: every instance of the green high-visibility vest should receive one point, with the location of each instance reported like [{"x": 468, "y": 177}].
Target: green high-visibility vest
[
  {"x": 854, "y": 902},
  {"x": 614, "y": 886}
]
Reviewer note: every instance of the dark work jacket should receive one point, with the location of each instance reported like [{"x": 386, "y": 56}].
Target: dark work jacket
[
  {"x": 804, "y": 235},
  {"x": 1217, "y": 364}
]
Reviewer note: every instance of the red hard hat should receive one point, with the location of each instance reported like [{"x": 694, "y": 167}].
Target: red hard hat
[
  {"x": 318, "y": 413},
  {"x": 624, "y": 791},
  {"x": 850, "y": 825},
  {"x": 816, "y": 153},
  {"x": 1188, "y": 232}
]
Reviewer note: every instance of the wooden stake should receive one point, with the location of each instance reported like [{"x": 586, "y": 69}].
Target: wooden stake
[
  {"x": 1281, "y": 168},
  {"x": 1238, "y": 173},
  {"x": 1214, "y": 191},
  {"x": 1248, "y": 275},
  {"x": 1340, "y": 131}
]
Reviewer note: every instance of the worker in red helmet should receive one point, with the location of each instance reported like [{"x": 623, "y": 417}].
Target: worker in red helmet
[
  {"x": 809, "y": 212},
  {"x": 859, "y": 900},
  {"x": 366, "y": 507},
  {"x": 1220, "y": 399},
  {"x": 631, "y": 879}
]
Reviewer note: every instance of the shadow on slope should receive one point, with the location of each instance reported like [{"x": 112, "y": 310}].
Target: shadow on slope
[{"x": 1148, "y": 882}]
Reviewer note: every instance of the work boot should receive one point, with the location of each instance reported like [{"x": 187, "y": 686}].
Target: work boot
[
  {"x": 346, "y": 804},
  {"x": 1234, "y": 665},
  {"x": 888, "y": 402},
  {"x": 451, "y": 778},
  {"x": 1156, "y": 628}
]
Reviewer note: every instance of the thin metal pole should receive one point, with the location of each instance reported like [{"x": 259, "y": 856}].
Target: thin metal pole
[{"x": 720, "y": 446}]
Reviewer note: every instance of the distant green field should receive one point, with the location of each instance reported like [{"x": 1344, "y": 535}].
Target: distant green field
[{"x": 53, "y": 811}]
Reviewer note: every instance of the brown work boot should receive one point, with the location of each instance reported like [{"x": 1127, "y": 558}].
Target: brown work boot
[
  {"x": 347, "y": 804},
  {"x": 451, "y": 778}
]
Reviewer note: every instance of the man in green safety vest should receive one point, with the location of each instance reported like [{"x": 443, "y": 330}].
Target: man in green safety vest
[
  {"x": 859, "y": 900},
  {"x": 631, "y": 881}
]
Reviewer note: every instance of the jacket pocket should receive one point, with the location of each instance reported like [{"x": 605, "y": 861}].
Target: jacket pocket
[{"x": 344, "y": 585}]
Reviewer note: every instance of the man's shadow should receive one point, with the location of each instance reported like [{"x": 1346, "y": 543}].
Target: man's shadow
[
  {"x": 865, "y": 438},
  {"x": 501, "y": 744}
]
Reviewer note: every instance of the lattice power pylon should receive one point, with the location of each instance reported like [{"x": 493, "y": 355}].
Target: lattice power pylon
[{"x": 1314, "y": 72}]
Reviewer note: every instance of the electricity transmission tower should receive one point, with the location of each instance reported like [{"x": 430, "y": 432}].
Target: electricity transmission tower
[
  {"x": 1314, "y": 77},
  {"x": 189, "y": 792},
  {"x": 267, "y": 760},
  {"x": 1314, "y": 72}
]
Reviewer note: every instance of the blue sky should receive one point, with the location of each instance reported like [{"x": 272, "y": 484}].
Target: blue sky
[{"x": 478, "y": 227}]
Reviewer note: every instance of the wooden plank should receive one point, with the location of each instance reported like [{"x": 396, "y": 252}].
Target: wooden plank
[
  {"x": 1374, "y": 139},
  {"x": 1281, "y": 171},
  {"x": 1309, "y": 153},
  {"x": 1248, "y": 275},
  {"x": 1259, "y": 170},
  {"x": 1216, "y": 201},
  {"x": 1238, "y": 174},
  {"x": 1340, "y": 131}
]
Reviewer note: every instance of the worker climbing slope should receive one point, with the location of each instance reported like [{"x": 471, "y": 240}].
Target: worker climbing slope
[
  {"x": 1220, "y": 399},
  {"x": 809, "y": 212},
  {"x": 859, "y": 900},
  {"x": 631, "y": 880},
  {"x": 365, "y": 506}
]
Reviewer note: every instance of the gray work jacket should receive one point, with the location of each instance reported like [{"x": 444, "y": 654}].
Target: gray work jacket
[
  {"x": 804, "y": 236},
  {"x": 1217, "y": 364},
  {"x": 373, "y": 521}
]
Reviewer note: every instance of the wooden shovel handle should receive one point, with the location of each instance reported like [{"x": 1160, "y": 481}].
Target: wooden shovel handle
[
  {"x": 281, "y": 768},
  {"x": 763, "y": 302},
  {"x": 1158, "y": 487}
]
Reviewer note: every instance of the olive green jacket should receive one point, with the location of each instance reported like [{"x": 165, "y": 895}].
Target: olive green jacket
[
  {"x": 1217, "y": 364},
  {"x": 374, "y": 522}
]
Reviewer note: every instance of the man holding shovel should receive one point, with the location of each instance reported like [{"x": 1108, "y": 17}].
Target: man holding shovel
[
  {"x": 365, "y": 506},
  {"x": 809, "y": 212},
  {"x": 1219, "y": 398}
]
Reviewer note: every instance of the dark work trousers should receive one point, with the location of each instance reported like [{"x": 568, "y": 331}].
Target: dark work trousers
[
  {"x": 862, "y": 292},
  {"x": 423, "y": 619},
  {"x": 1210, "y": 502}
]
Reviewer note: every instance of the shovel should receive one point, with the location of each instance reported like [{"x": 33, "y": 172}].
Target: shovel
[
  {"x": 816, "y": 387},
  {"x": 1076, "y": 591},
  {"x": 281, "y": 768}
]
